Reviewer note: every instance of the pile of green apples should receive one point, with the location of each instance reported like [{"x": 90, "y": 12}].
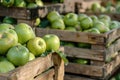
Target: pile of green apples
[
  {"x": 22, "y": 3},
  {"x": 108, "y": 7},
  {"x": 79, "y": 22},
  {"x": 19, "y": 45}
]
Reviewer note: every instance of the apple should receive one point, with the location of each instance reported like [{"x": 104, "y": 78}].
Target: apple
[
  {"x": 5, "y": 27},
  {"x": 58, "y": 24},
  {"x": 93, "y": 30},
  {"x": 70, "y": 28},
  {"x": 113, "y": 25},
  {"x": 53, "y": 15},
  {"x": 24, "y": 32},
  {"x": 18, "y": 55},
  {"x": 7, "y": 3},
  {"x": 39, "y": 3},
  {"x": 70, "y": 19},
  {"x": 81, "y": 16},
  {"x": 31, "y": 56},
  {"x": 20, "y": 3},
  {"x": 94, "y": 18},
  {"x": 84, "y": 45},
  {"x": 95, "y": 7},
  {"x": 52, "y": 42},
  {"x": 37, "y": 46},
  {"x": 9, "y": 20},
  {"x": 80, "y": 61},
  {"x": 6, "y": 66},
  {"x": 32, "y": 5},
  {"x": 86, "y": 23},
  {"x": 104, "y": 17},
  {"x": 106, "y": 22},
  {"x": 102, "y": 9},
  {"x": 7, "y": 40},
  {"x": 101, "y": 27}
]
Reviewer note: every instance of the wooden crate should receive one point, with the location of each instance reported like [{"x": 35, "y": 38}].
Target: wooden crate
[
  {"x": 50, "y": 67},
  {"x": 98, "y": 55},
  {"x": 29, "y": 15},
  {"x": 85, "y": 4},
  {"x": 98, "y": 42},
  {"x": 25, "y": 13},
  {"x": 93, "y": 71}
]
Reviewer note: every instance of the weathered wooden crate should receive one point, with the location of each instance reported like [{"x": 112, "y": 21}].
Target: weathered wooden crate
[
  {"x": 50, "y": 67},
  {"x": 29, "y": 15},
  {"x": 92, "y": 71},
  {"x": 102, "y": 49},
  {"x": 99, "y": 51}
]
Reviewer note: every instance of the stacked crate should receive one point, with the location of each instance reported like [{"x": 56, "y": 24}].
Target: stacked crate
[
  {"x": 29, "y": 15},
  {"x": 50, "y": 67},
  {"x": 98, "y": 55}
]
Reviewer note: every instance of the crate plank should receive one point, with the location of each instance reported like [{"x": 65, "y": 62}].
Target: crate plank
[
  {"x": 31, "y": 69},
  {"x": 75, "y": 77},
  {"x": 113, "y": 65},
  {"x": 59, "y": 67},
  {"x": 46, "y": 76},
  {"x": 73, "y": 36},
  {"x": 90, "y": 70},
  {"x": 84, "y": 53}
]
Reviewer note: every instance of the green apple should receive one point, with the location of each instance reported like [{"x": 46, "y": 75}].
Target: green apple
[
  {"x": 9, "y": 20},
  {"x": 32, "y": 5},
  {"x": 80, "y": 61},
  {"x": 86, "y": 23},
  {"x": 37, "y": 46},
  {"x": 93, "y": 30},
  {"x": 4, "y": 27},
  {"x": 94, "y": 18},
  {"x": 102, "y": 9},
  {"x": 7, "y": 3},
  {"x": 20, "y": 3},
  {"x": 53, "y": 15},
  {"x": 52, "y": 42},
  {"x": 18, "y": 55},
  {"x": 70, "y": 28},
  {"x": 70, "y": 19},
  {"x": 6, "y": 66},
  {"x": 81, "y": 16},
  {"x": 58, "y": 24},
  {"x": 7, "y": 40},
  {"x": 83, "y": 45},
  {"x": 95, "y": 7},
  {"x": 69, "y": 44},
  {"x": 31, "y": 56},
  {"x": 39, "y": 3},
  {"x": 24, "y": 32},
  {"x": 101, "y": 27},
  {"x": 106, "y": 22},
  {"x": 37, "y": 22},
  {"x": 104, "y": 17},
  {"x": 113, "y": 25}
]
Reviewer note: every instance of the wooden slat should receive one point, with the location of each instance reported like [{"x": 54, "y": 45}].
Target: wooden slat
[
  {"x": 21, "y": 13},
  {"x": 112, "y": 35},
  {"x": 112, "y": 49},
  {"x": 59, "y": 67},
  {"x": 31, "y": 69},
  {"x": 113, "y": 65},
  {"x": 42, "y": 12},
  {"x": 96, "y": 71},
  {"x": 73, "y": 36},
  {"x": 84, "y": 53},
  {"x": 46, "y": 76},
  {"x": 75, "y": 77}
]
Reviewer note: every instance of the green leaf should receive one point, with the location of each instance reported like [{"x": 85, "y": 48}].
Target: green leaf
[{"x": 63, "y": 56}]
